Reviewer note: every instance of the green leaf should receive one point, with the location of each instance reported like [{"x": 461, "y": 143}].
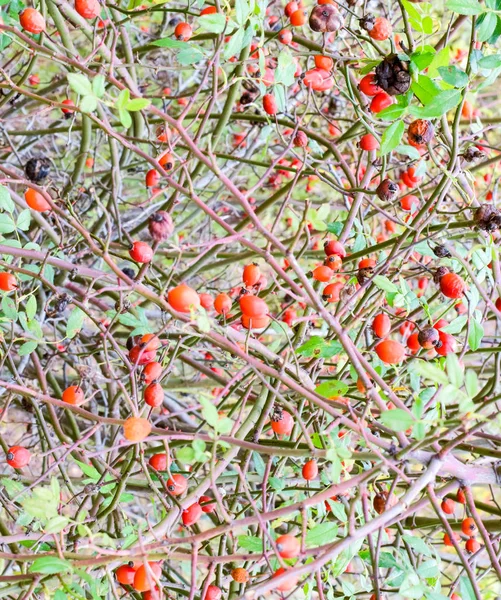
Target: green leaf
[
  {"x": 214, "y": 23},
  {"x": 409, "y": 151},
  {"x": 423, "y": 59},
  {"x": 9, "y": 308},
  {"x": 476, "y": 334},
  {"x": 190, "y": 56},
  {"x": 471, "y": 383},
  {"x": 319, "y": 347},
  {"x": 27, "y": 348},
  {"x": 137, "y": 104},
  {"x": 485, "y": 26},
  {"x": 31, "y": 307},
  {"x": 242, "y": 11},
  {"x": 392, "y": 136},
  {"x": 467, "y": 592},
  {"x": 7, "y": 224},
  {"x": 122, "y": 99},
  {"x": 75, "y": 322},
  {"x": 169, "y": 42},
  {"x": 323, "y": 533},
  {"x": 98, "y": 84},
  {"x": 56, "y": 524},
  {"x": 464, "y": 7},
  {"x": 490, "y": 62},
  {"x": 24, "y": 220},
  {"x": 440, "y": 105},
  {"x": 125, "y": 118},
  {"x": 88, "y": 470},
  {"x": 397, "y": 419},
  {"x": 456, "y": 325},
  {"x": 331, "y": 388},
  {"x": 250, "y": 542},
  {"x": 185, "y": 455},
  {"x": 6, "y": 202},
  {"x": 454, "y": 76},
  {"x": 88, "y": 104},
  {"x": 425, "y": 89},
  {"x": 390, "y": 113},
  {"x": 418, "y": 545},
  {"x": 80, "y": 84},
  {"x": 454, "y": 370},
  {"x": 233, "y": 47},
  {"x": 284, "y": 73},
  {"x": 383, "y": 283},
  {"x": 50, "y": 565},
  {"x": 431, "y": 372}
]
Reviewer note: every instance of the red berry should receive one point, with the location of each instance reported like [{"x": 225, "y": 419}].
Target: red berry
[
  {"x": 310, "y": 470},
  {"x": 448, "y": 506},
  {"x": 380, "y": 101},
  {"x": 334, "y": 247},
  {"x": 390, "y": 351},
  {"x": 183, "y": 298},
  {"x": 270, "y": 104},
  {"x": 251, "y": 275},
  {"x": 289, "y": 583},
  {"x": 142, "y": 577},
  {"x": 191, "y": 515},
  {"x": 67, "y": 111},
  {"x": 468, "y": 526},
  {"x": 88, "y": 9},
  {"x": 153, "y": 395},
  {"x": 222, "y": 304},
  {"x": 285, "y": 37},
  {"x": 290, "y": 8},
  {"x": 447, "y": 538},
  {"x": 253, "y": 306},
  {"x": 18, "y": 457},
  {"x": 288, "y": 546},
  {"x": 461, "y": 496},
  {"x": 73, "y": 395},
  {"x": 8, "y": 282},
  {"x": 183, "y": 31},
  {"x": 151, "y": 372},
  {"x": 152, "y": 178},
  {"x": 381, "y": 325},
  {"x": 452, "y": 286},
  {"x": 472, "y": 546},
  {"x": 141, "y": 356},
  {"x": 213, "y": 593},
  {"x": 381, "y": 30},
  {"x": 368, "y": 142},
  {"x": 159, "y": 462},
  {"x": 125, "y": 575},
  {"x": 207, "y": 503},
  {"x": 322, "y": 273},
  {"x": 177, "y": 484},
  {"x": 32, "y": 21},
  {"x": 282, "y": 423},
  {"x": 368, "y": 85},
  {"x": 141, "y": 252},
  {"x": 36, "y": 201},
  {"x": 367, "y": 263}
]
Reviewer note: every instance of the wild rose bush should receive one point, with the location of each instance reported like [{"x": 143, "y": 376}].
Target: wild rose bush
[{"x": 249, "y": 312}]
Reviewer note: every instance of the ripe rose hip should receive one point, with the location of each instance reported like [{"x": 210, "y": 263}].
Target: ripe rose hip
[
  {"x": 36, "y": 201},
  {"x": 289, "y": 583},
  {"x": 448, "y": 506},
  {"x": 325, "y": 18},
  {"x": 183, "y": 32},
  {"x": 282, "y": 422},
  {"x": 141, "y": 252},
  {"x": 472, "y": 546},
  {"x": 381, "y": 29},
  {"x": 151, "y": 372},
  {"x": 334, "y": 247},
  {"x": 159, "y": 462},
  {"x": 183, "y": 298},
  {"x": 213, "y": 593},
  {"x": 177, "y": 484},
  {"x": 88, "y": 9},
  {"x": 285, "y": 36},
  {"x": 8, "y": 282},
  {"x": 136, "y": 429},
  {"x": 380, "y": 101},
  {"x": 18, "y": 457},
  {"x": 428, "y": 338},
  {"x": 368, "y": 142},
  {"x": 240, "y": 575},
  {"x": 154, "y": 395},
  {"x": 300, "y": 140},
  {"x": 310, "y": 470},
  {"x": 142, "y": 577},
  {"x": 125, "y": 575},
  {"x": 222, "y": 304},
  {"x": 468, "y": 526},
  {"x": 390, "y": 352},
  {"x": 381, "y": 325},
  {"x": 73, "y": 395},
  {"x": 207, "y": 503},
  {"x": 191, "y": 515},
  {"x": 32, "y": 21},
  {"x": 270, "y": 104},
  {"x": 288, "y": 546},
  {"x": 251, "y": 274},
  {"x": 253, "y": 306},
  {"x": 452, "y": 286},
  {"x": 368, "y": 85}
]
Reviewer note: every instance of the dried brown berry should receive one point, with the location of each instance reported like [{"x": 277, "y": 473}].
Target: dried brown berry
[
  {"x": 387, "y": 190},
  {"x": 367, "y": 22},
  {"x": 392, "y": 75},
  {"x": 160, "y": 226},
  {"x": 420, "y": 132},
  {"x": 364, "y": 274},
  {"x": 325, "y": 17},
  {"x": 428, "y": 338},
  {"x": 439, "y": 273},
  {"x": 37, "y": 169},
  {"x": 441, "y": 251},
  {"x": 381, "y": 501},
  {"x": 473, "y": 154},
  {"x": 487, "y": 217}
]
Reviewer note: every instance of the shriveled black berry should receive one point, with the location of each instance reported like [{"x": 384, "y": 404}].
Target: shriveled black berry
[
  {"x": 392, "y": 75},
  {"x": 37, "y": 169}
]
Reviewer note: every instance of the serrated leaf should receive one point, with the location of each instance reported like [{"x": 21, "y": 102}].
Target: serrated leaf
[
  {"x": 75, "y": 322},
  {"x": 56, "y": 524},
  {"x": 440, "y": 105},
  {"x": 169, "y": 42},
  {"x": 485, "y": 26},
  {"x": 392, "y": 136},
  {"x": 50, "y": 565},
  {"x": 431, "y": 372},
  {"x": 80, "y": 84},
  {"x": 88, "y": 470},
  {"x": 286, "y": 68},
  {"x": 318, "y": 346},
  {"x": 490, "y": 62},
  {"x": 190, "y": 56},
  {"x": 9, "y": 308},
  {"x": 390, "y": 113},
  {"x": 397, "y": 419}
]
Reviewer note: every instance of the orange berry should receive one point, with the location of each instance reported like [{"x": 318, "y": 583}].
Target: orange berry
[{"x": 136, "y": 429}]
